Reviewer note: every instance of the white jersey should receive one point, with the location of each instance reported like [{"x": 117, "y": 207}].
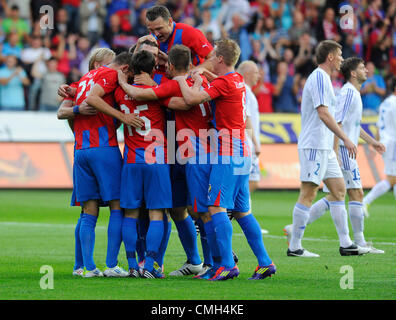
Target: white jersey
[
  {"x": 252, "y": 111},
  {"x": 349, "y": 112},
  {"x": 318, "y": 91},
  {"x": 387, "y": 126}
]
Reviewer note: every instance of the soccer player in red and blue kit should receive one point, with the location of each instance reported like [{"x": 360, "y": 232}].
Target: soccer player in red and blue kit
[
  {"x": 157, "y": 77},
  {"x": 189, "y": 121},
  {"x": 168, "y": 33},
  {"x": 145, "y": 174},
  {"x": 229, "y": 176},
  {"x": 98, "y": 164},
  {"x": 98, "y": 58}
]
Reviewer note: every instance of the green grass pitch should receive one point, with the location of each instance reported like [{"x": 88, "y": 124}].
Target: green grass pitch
[{"x": 37, "y": 228}]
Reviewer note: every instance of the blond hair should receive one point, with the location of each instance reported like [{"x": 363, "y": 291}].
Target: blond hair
[
  {"x": 229, "y": 50},
  {"x": 99, "y": 55}
]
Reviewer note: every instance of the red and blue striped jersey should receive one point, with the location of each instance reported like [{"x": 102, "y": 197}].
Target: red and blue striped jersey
[
  {"x": 148, "y": 143},
  {"x": 228, "y": 94},
  {"x": 190, "y": 37},
  {"x": 190, "y": 121},
  {"x": 97, "y": 130}
]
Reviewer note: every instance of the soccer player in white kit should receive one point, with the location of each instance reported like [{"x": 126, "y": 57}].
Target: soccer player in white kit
[
  {"x": 318, "y": 160},
  {"x": 349, "y": 115},
  {"x": 387, "y": 134}
]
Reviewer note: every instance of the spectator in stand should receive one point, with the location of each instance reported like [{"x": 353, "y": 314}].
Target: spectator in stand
[
  {"x": 52, "y": 80},
  {"x": 60, "y": 52},
  {"x": 264, "y": 91},
  {"x": 329, "y": 26},
  {"x": 82, "y": 51},
  {"x": 139, "y": 29},
  {"x": 304, "y": 60},
  {"x": 36, "y": 55},
  {"x": 61, "y": 26},
  {"x": 373, "y": 90},
  {"x": 212, "y": 5},
  {"x": 348, "y": 47},
  {"x": 209, "y": 24},
  {"x": 118, "y": 39},
  {"x": 380, "y": 44},
  {"x": 230, "y": 8},
  {"x": 11, "y": 47},
  {"x": 12, "y": 80},
  {"x": 73, "y": 15},
  {"x": 239, "y": 34},
  {"x": 13, "y": 23},
  {"x": 282, "y": 11},
  {"x": 93, "y": 15},
  {"x": 300, "y": 26},
  {"x": 285, "y": 90},
  {"x": 23, "y": 6}
]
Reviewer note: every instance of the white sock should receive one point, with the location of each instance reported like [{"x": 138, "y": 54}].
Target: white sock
[
  {"x": 378, "y": 190},
  {"x": 318, "y": 209},
  {"x": 300, "y": 218},
  {"x": 356, "y": 216},
  {"x": 340, "y": 218}
]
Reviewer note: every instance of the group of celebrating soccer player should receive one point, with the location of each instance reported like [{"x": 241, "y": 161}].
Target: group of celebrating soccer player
[{"x": 186, "y": 155}]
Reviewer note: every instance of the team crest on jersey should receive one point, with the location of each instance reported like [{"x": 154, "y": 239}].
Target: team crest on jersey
[{"x": 239, "y": 85}]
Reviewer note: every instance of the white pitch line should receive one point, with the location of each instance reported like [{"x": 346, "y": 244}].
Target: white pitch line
[{"x": 72, "y": 226}]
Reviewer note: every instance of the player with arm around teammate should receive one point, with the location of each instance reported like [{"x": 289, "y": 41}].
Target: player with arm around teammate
[
  {"x": 229, "y": 175},
  {"x": 145, "y": 176}
]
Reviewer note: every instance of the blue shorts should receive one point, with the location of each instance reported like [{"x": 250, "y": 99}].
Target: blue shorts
[
  {"x": 147, "y": 184},
  {"x": 197, "y": 176},
  {"x": 97, "y": 174},
  {"x": 229, "y": 183},
  {"x": 179, "y": 185}
]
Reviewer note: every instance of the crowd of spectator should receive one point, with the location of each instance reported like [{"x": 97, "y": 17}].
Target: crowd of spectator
[{"x": 280, "y": 36}]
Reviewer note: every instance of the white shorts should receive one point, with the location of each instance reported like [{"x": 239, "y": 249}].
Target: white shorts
[
  {"x": 317, "y": 165},
  {"x": 255, "y": 169},
  {"x": 389, "y": 157}
]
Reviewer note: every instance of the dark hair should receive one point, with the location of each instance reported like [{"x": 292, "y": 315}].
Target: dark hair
[
  {"x": 146, "y": 42},
  {"x": 324, "y": 49},
  {"x": 348, "y": 65},
  {"x": 15, "y": 8},
  {"x": 123, "y": 58},
  {"x": 158, "y": 11},
  {"x": 143, "y": 61},
  {"x": 180, "y": 57}
]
